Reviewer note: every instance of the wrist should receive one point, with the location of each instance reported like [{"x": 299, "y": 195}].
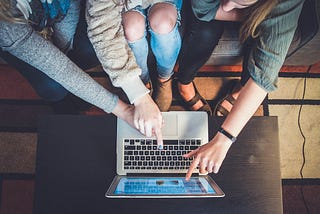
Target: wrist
[
  {"x": 142, "y": 100},
  {"x": 227, "y": 134},
  {"x": 134, "y": 89},
  {"x": 121, "y": 109}
]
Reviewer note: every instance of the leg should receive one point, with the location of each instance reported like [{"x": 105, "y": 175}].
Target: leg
[
  {"x": 45, "y": 87},
  {"x": 165, "y": 38},
  {"x": 225, "y": 105},
  {"x": 134, "y": 25},
  {"x": 200, "y": 40},
  {"x": 165, "y": 43},
  {"x": 64, "y": 30},
  {"x": 82, "y": 52}
]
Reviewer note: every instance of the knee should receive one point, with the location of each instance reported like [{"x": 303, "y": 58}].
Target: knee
[
  {"x": 133, "y": 25},
  {"x": 163, "y": 18}
]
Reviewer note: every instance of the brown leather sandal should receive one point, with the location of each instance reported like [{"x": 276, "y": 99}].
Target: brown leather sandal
[
  {"x": 188, "y": 104},
  {"x": 235, "y": 87}
]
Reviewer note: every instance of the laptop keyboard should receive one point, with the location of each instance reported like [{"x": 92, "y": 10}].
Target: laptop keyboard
[{"x": 143, "y": 154}]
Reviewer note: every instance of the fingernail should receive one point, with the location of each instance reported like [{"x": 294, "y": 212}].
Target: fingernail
[{"x": 160, "y": 147}]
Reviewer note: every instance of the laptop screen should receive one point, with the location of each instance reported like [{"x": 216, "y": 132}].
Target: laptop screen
[{"x": 164, "y": 186}]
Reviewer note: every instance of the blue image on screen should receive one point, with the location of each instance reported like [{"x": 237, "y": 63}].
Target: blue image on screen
[{"x": 166, "y": 185}]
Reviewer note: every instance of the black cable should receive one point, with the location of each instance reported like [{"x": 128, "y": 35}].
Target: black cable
[{"x": 304, "y": 141}]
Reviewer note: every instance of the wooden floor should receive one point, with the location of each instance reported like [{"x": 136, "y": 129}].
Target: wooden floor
[{"x": 20, "y": 106}]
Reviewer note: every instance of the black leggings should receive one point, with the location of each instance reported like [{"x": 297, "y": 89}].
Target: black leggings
[{"x": 199, "y": 41}]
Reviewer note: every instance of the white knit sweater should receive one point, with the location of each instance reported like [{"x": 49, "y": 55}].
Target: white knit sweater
[{"x": 106, "y": 34}]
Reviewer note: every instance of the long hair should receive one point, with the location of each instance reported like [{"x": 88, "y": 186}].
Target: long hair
[
  {"x": 255, "y": 14},
  {"x": 7, "y": 14}
]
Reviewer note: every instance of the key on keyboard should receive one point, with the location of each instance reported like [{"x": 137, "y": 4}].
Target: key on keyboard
[{"x": 143, "y": 154}]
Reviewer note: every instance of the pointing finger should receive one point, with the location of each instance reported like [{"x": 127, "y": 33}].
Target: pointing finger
[{"x": 194, "y": 165}]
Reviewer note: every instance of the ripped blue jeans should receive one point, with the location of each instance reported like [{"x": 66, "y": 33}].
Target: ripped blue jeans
[{"x": 165, "y": 47}]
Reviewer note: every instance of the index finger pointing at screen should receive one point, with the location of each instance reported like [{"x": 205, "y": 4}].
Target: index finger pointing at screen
[{"x": 192, "y": 167}]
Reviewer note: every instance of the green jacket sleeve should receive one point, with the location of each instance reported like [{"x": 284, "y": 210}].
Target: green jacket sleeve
[
  {"x": 270, "y": 48},
  {"x": 205, "y": 10}
]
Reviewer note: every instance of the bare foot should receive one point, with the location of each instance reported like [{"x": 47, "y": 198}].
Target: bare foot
[{"x": 226, "y": 104}]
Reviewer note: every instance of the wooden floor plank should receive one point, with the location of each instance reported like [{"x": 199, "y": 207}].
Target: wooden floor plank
[
  {"x": 17, "y": 197},
  {"x": 18, "y": 152},
  {"x": 14, "y": 85}
]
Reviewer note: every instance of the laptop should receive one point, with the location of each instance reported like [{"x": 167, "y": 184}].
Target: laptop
[{"x": 144, "y": 171}]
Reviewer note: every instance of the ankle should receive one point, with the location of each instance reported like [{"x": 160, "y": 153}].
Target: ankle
[
  {"x": 163, "y": 80},
  {"x": 148, "y": 85},
  {"x": 186, "y": 90}
]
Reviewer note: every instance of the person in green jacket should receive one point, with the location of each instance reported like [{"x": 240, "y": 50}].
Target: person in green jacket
[{"x": 268, "y": 26}]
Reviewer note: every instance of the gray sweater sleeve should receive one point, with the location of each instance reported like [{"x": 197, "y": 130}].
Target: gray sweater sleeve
[{"x": 21, "y": 41}]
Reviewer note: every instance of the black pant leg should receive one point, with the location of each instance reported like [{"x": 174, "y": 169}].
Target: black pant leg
[{"x": 200, "y": 39}]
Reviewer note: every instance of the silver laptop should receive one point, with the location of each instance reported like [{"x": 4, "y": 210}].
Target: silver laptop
[{"x": 144, "y": 171}]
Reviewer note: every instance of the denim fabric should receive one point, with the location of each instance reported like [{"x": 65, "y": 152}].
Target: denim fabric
[
  {"x": 82, "y": 52},
  {"x": 165, "y": 47},
  {"x": 65, "y": 29},
  {"x": 140, "y": 50},
  {"x": 46, "y": 88}
]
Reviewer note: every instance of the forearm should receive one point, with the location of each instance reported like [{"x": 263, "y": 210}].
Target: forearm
[
  {"x": 106, "y": 35},
  {"x": 246, "y": 105}
]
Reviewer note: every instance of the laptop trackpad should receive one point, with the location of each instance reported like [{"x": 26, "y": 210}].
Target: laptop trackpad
[{"x": 170, "y": 127}]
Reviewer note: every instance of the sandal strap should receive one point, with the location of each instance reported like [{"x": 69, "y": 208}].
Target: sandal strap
[
  {"x": 206, "y": 107},
  {"x": 196, "y": 98},
  {"x": 222, "y": 110},
  {"x": 193, "y": 100},
  {"x": 219, "y": 108},
  {"x": 230, "y": 99},
  {"x": 236, "y": 86}
]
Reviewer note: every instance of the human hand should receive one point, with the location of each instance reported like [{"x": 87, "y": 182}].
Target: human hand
[
  {"x": 210, "y": 156},
  {"x": 125, "y": 112},
  {"x": 148, "y": 119}
]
